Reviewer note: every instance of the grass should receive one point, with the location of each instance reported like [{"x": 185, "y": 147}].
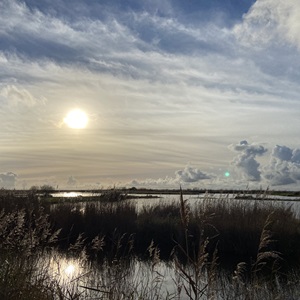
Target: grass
[{"x": 213, "y": 249}]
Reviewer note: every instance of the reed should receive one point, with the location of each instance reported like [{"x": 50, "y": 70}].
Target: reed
[{"x": 252, "y": 246}]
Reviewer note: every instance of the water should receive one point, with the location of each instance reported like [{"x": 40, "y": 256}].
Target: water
[
  {"x": 78, "y": 275},
  {"x": 133, "y": 279},
  {"x": 74, "y": 194},
  {"x": 138, "y": 279},
  {"x": 156, "y": 199},
  {"x": 227, "y": 199}
]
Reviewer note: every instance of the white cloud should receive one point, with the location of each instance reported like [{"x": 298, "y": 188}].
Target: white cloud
[
  {"x": 167, "y": 182},
  {"x": 283, "y": 167},
  {"x": 268, "y": 20},
  {"x": 151, "y": 104},
  {"x": 72, "y": 181},
  {"x": 15, "y": 96},
  {"x": 8, "y": 180},
  {"x": 191, "y": 174},
  {"x": 245, "y": 162}
]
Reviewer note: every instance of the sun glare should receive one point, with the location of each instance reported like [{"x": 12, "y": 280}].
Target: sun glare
[
  {"x": 69, "y": 270},
  {"x": 76, "y": 119}
]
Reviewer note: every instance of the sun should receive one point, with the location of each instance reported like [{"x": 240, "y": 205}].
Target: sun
[{"x": 76, "y": 119}]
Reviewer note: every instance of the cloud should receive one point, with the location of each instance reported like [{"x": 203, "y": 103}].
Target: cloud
[
  {"x": 15, "y": 96},
  {"x": 191, "y": 174},
  {"x": 245, "y": 163},
  {"x": 296, "y": 156},
  {"x": 282, "y": 153},
  {"x": 156, "y": 86},
  {"x": 268, "y": 20},
  {"x": 8, "y": 180},
  {"x": 283, "y": 167},
  {"x": 167, "y": 182},
  {"x": 72, "y": 181},
  {"x": 248, "y": 149}
]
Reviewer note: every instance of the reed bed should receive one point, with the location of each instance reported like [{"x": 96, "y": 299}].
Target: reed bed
[{"x": 212, "y": 250}]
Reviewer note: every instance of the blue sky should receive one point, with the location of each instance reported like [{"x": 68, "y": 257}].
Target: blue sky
[{"x": 176, "y": 92}]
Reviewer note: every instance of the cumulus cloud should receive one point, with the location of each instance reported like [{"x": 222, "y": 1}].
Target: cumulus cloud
[
  {"x": 249, "y": 149},
  {"x": 245, "y": 162},
  {"x": 191, "y": 174},
  {"x": 284, "y": 166},
  {"x": 296, "y": 156},
  {"x": 282, "y": 153},
  {"x": 8, "y": 180},
  {"x": 269, "y": 20},
  {"x": 146, "y": 78}
]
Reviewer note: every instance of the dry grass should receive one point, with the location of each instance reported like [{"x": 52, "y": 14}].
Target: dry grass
[{"x": 197, "y": 243}]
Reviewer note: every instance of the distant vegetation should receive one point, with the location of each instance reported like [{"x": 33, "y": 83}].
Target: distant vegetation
[{"x": 256, "y": 247}]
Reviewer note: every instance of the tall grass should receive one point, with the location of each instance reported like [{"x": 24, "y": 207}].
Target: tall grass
[{"x": 252, "y": 246}]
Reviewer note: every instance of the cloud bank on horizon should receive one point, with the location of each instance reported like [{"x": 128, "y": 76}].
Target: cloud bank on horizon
[{"x": 167, "y": 86}]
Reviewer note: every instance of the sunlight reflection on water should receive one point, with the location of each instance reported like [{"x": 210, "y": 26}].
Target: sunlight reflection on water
[
  {"x": 74, "y": 194},
  {"x": 77, "y": 276},
  {"x": 65, "y": 269}
]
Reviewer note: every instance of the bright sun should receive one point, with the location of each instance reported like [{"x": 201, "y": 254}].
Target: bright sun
[{"x": 76, "y": 119}]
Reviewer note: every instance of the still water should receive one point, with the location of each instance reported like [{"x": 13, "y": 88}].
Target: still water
[
  {"x": 142, "y": 200},
  {"x": 130, "y": 279},
  {"x": 136, "y": 279}
]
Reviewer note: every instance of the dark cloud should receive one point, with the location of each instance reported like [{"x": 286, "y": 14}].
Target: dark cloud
[
  {"x": 249, "y": 149},
  {"x": 8, "y": 180},
  {"x": 282, "y": 153},
  {"x": 246, "y": 163},
  {"x": 190, "y": 174},
  {"x": 296, "y": 156}
]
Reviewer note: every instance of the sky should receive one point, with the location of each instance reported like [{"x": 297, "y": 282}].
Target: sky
[{"x": 202, "y": 94}]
